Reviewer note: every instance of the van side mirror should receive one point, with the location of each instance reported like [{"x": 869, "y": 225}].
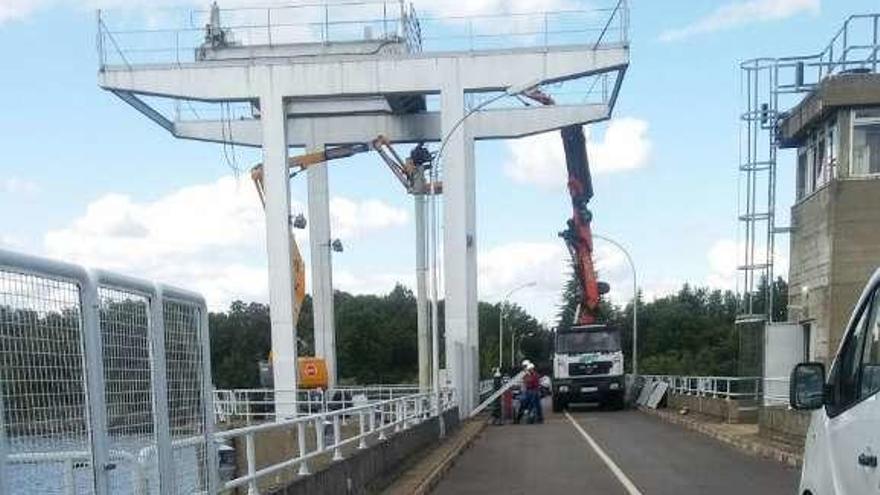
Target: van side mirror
[{"x": 807, "y": 387}]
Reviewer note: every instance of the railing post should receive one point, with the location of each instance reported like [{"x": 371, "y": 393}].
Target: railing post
[
  {"x": 213, "y": 459},
  {"x": 874, "y": 43},
  {"x": 362, "y": 430},
  {"x": 319, "y": 433},
  {"x": 253, "y": 489},
  {"x": 337, "y": 439},
  {"x": 159, "y": 377},
  {"x": 69, "y": 481},
  {"x": 301, "y": 441},
  {"x": 269, "y": 25},
  {"x": 546, "y": 31},
  {"x": 3, "y": 448},
  {"x": 93, "y": 364},
  {"x": 382, "y": 407}
]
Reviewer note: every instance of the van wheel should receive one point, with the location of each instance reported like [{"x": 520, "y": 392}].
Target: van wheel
[{"x": 558, "y": 406}]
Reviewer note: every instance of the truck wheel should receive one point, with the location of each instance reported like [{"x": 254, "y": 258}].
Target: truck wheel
[
  {"x": 557, "y": 405},
  {"x": 617, "y": 403}
]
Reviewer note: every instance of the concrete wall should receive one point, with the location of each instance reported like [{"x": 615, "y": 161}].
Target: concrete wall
[
  {"x": 731, "y": 411},
  {"x": 782, "y": 423},
  {"x": 366, "y": 471},
  {"x": 835, "y": 247}
]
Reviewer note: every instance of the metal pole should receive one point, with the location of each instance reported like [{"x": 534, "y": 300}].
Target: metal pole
[
  {"x": 635, "y": 299},
  {"x": 93, "y": 364},
  {"x": 501, "y": 321},
  {"x": 500, "y": 335}
]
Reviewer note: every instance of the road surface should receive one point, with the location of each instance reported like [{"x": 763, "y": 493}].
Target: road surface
[{"x": 609, "y": 453}]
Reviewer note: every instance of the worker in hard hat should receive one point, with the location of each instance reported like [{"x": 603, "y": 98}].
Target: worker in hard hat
[
  {"x": 526, "y": 405},
  {"x": 532, "y": 382}
]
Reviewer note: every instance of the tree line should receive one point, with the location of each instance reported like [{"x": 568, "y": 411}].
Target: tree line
[{"x": 691, "y": 331}]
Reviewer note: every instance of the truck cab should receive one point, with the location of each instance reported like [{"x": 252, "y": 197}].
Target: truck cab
[
  {"x": 843, "y": 441},
  {"x": 588, "y": 367}
]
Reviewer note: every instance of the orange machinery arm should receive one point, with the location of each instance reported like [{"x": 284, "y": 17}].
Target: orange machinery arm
[
  {"x": 578, "y": 235},
  {"x": 298, "y": 164},
  {"x": 409, "y": 172}
]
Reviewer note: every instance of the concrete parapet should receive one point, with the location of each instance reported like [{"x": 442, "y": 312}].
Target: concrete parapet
[
  {"x": 729, "y": 410},
  {"x": 365, "y": 471},
  {"x": 784, "y": 424}
]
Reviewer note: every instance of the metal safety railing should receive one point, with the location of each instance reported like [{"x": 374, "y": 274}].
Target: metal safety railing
[
  {"x": 104, "y": 386},
  {"x": 722, "y": 387},
  {"x": 329, "y": 433},
  {"x": 387, "y": 22},
  {"x": 258, "y": 405},
  {"x": 776, "y": 391}
]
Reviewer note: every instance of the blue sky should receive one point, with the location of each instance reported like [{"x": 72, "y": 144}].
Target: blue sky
[{"x": 84, "y": 177}]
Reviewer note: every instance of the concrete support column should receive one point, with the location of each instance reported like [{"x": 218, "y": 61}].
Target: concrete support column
[
  {"x": 284, "y": 364},
  {"x": 424, "y": 323},
  {"x": 322, "y": 264},
  {"x": 459, "y": 242}
]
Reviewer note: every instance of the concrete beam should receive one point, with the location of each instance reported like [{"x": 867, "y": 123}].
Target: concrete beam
[
  {"x": 508, "y": 123},
  {"x": 322, "y": 262},
  {"x": 359, "y": 76},
  {"x": 281, "y": 297}
]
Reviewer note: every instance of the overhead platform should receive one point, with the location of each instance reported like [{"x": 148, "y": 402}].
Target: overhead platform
[{"x": 323, "y": 77}]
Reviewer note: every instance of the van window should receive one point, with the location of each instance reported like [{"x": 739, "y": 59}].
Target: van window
[
  {"x": 847, "y": 372},
  {"x": 871, "y": 358}
]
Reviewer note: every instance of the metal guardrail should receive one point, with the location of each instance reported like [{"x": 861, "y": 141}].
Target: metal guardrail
[
  {"x": 376, "y": 420},
  {"x": 106, "y": 383},
  {"x": 258, "y": 405},
  {"x": 723, "y": 387},
  {"x": 776, "y": 391},
  {"x": 388, "y": 21}
]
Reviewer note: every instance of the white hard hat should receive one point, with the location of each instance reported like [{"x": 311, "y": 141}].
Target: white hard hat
[
  {"x": 530, "y": 366},
  {"x": 526, "y": 363}
]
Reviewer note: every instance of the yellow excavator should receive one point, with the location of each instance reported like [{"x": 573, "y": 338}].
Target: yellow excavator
[{"x": 312, "y": 371}]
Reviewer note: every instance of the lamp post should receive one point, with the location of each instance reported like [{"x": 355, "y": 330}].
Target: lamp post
[
  {"x": 501, "y": 308},
  {"x": 513, "y": 90},
  {"x": 635, "y": 323}
]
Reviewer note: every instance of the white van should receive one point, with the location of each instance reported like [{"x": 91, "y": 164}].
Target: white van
[{"x": 843, "y": 442}]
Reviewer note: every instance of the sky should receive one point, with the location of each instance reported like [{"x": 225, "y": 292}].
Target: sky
[{"x": 85, "y": 178}]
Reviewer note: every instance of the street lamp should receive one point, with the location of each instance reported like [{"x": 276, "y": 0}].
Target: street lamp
[
  {"x": 501, "y": 320},
  {"x": 512, "y": 90},
  {"x": 635, "y": 353}
]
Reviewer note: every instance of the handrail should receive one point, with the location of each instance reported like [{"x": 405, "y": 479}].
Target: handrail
[
  {"x": 726, "y": 387},
  {"x": 373, "y": 420}
]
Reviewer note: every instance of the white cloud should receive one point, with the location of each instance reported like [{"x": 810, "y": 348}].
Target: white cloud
[
  {"x": 207, "y": 237},
  {"x": 352, "y": 218},
  {"x": 741, "y": 13},
  {"x": 540, "y": 160},
  {"x": 14, "y": 185},
  {"x": 725, "y": 256},
  {"x": 478, "y": 7},
  {"x": 16, "y": 9},
  {"x": 370, "y": 282},
  {"x": 722, "y": 258}
]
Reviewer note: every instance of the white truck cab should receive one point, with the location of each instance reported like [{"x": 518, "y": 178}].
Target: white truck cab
[{"x": 843, "y": 441}]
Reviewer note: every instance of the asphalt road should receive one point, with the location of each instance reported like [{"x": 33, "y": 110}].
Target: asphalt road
[{"x": 627, "y": 453}]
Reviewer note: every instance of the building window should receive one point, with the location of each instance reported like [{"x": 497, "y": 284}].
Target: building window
[
  {"x": 802, "y": 174},
  {"x": 866, "y": 148},
  {"x": 817, "y": 160}
]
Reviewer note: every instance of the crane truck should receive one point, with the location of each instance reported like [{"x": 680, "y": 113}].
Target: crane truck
[{"x": 587, "y": 356}]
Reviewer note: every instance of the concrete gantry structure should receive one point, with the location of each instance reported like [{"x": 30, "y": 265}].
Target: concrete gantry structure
[{"x": 332, "y": 97}]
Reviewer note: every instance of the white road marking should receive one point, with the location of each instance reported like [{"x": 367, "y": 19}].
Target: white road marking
[{"x": 618, "y": 473}]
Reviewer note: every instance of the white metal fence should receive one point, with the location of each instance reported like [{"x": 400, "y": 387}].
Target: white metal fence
[
  {"x": 247, "y": 406},
  {"x": 104, "y": 383},
  {"x": 328, "y": 433},
  {"x": 725, "y": 387}
]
